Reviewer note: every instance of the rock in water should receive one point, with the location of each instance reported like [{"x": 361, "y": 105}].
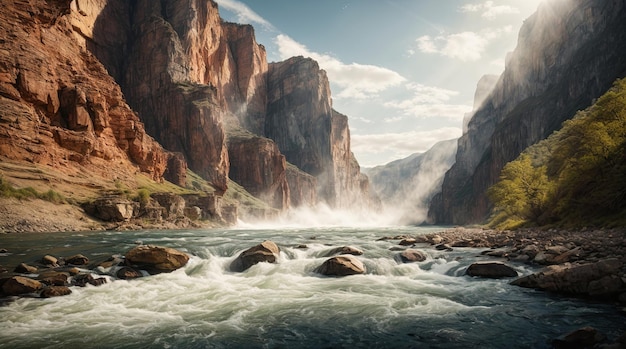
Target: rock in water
[
  {"x": 586, "y": 337},
  {"x": 78, "y": 259},
  {"x": 492, "y": 270},
  {"x": 55, "y": 291},
  {"x": 161, "y": 259},
  {"x": 341, "y": 266},
  {"x": 20, "y": 285},
  {"x": 582, "y": 279},
  {"x": 344, "y": 250},
  {"x": 24, "y": 268},
  {"x": 410, "y": 255},
  {"x": 267, "y": 251}
]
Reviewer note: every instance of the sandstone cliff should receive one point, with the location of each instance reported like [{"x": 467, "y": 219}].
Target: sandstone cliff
[
  {"x": 186, "y": 74},
  {"x": 60, "y": 107},
  {"x": 569, "y": 52}
]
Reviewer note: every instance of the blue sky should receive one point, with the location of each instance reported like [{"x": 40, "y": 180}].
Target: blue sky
[{"x": 404, "y": 71}]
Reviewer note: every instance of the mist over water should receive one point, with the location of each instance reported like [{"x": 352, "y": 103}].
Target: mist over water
[{"x": 431, "y": 304}]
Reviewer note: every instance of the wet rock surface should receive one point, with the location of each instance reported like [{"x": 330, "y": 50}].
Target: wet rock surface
[{"x": 267, "y": 251}]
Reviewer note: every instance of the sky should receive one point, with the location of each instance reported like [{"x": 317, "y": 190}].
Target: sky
[{"x": 403, "y": 71}]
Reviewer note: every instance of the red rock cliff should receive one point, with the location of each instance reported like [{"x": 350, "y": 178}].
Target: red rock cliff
[{"x": 59, "y": 105}]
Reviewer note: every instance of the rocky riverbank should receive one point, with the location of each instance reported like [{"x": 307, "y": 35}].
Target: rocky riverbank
[{"x": 588, "y": 262}]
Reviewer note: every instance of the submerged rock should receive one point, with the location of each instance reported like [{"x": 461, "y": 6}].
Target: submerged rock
[
  {"x": 344, "y": 250},
  {"x": 341, "y": 266},
  {"x": 126, "y": 273},
  {"x": 267, "y": 251},
  {"x": 157, "y": 258},
  {"x": 492, "y": 270},
  {"x": 586, "y": 337},
  {"x": 18, "y": 285},
  {"x": 410, "y": 255}
]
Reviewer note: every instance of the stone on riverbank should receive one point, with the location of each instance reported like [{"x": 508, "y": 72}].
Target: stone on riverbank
[
  {"x": 586, "y": 337},
  {"x": 267, "y": 251},
  {"x": 341, "y": 266},
  {"x": 591, "y": 279},
  {"x": 491, "y": 270}
]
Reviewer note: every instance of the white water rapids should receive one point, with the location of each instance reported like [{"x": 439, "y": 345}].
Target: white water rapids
[{"x": 430, "y": 304}]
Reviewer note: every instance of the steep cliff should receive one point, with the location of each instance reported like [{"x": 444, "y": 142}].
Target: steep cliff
[
  {"x": 60, "y": 108},
  {"x": 569, "y": 52},
  {"x": 312, "y": 135},
  {"x": 406, "y": 186}
]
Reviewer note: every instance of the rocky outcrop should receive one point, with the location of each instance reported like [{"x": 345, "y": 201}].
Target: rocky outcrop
[
  {"x": 156, "y": 258},
  {"x": 258, "y": 165},
  {"x": 60, "y": 107},
  {"x": 568, "y": 53},
  {"x": 593, "y": 279},
  {"x": 407, "y": 186},
  {"x": 267, "y": 252}
]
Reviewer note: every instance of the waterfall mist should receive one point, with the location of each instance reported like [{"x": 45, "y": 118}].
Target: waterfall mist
[{"x": 407, "y": 186}]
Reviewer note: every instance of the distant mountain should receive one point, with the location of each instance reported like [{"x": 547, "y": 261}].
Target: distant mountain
[
  {"x": 568, "y": 54},
  {"x": 406, "y": 186}
]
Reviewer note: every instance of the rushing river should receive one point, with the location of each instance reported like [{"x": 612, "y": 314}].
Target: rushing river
[{"x": 430, "y": 304}]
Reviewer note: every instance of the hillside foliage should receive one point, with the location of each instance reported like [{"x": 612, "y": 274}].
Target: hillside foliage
[{"x": 576, "y": 177}]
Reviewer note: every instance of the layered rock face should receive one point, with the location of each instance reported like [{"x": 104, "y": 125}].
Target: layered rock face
[
  {"x": 60, "y": 107},
  {"x": 569, "y": 52},
  {"x": 266, "y": 180},
  {"x": 312, "y": 135}
]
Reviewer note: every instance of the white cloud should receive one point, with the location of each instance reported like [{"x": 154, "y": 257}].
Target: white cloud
[
  {"x": 489, "y": 10},
  {"x": 356, "y": 80},
  {"x": 401, "y": 144},
  {"x": 465, "y": 46},
  {"x": 244, "y": 13},
  {"x": 427, "y": 102}
]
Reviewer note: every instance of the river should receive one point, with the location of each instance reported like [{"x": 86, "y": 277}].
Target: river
[{"x": 430, "y": 304}]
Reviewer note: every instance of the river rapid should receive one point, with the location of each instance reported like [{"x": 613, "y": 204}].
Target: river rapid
[{"x": 430, "y": 304}]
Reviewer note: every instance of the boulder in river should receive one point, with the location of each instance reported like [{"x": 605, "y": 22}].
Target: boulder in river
[
  {"x": 77, "y": 259},
  {"x": 491, "y": 270},
  {"x": 411, "y": 255},
  {"x": 586, "y": 337},
  {"x": 24, "y": 268},
  {"x": 50, "y": 260},
  {"x": 341, "y": 266},
  {"x": 577, "y": 279},
  {"x": 126, "y": 273},
  {"x": 55, "y": 291},
  {"x": 18, "y": 285},
  {"x": 157, "y": 258},
  {"x": 267, "y": 251},
  {"x": 344, "y": 250}
]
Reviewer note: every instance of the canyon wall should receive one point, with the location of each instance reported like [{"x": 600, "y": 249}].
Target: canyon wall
[
  {"x": 60, "y": 106},
  {"x": 193, "y": 82},
  {"x": 569, "y": 52}
]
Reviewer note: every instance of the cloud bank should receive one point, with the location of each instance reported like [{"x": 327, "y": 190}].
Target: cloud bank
[
  {"x": 488, "y": 10},
  {"x": 464, "y": 46}
]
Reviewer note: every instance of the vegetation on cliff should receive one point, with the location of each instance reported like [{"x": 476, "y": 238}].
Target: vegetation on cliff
[{"x": 573, "y": 178}]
